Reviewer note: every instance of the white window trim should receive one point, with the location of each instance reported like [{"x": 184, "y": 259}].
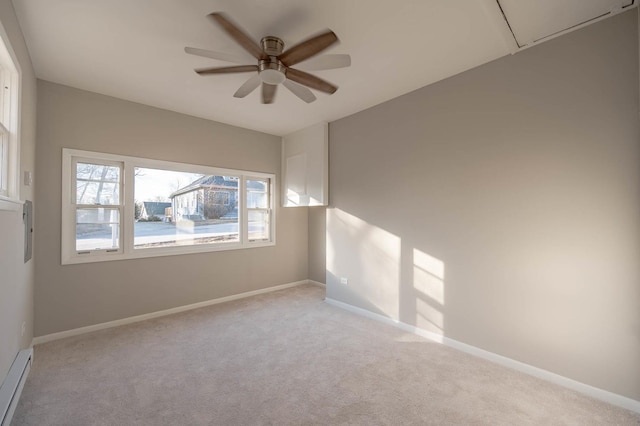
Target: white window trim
[
  {"x": 120, "y": 206},
  {"x": 246, "y": 212},
  {"x": 69, "y": 254},
  {"x": 11, "y": 77}
]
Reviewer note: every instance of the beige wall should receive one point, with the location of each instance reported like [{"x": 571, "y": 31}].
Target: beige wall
[
  {"x": 16, "y": 277},
  {"x": 73, "y": 296},
  {"x": 501, "y": 207}
]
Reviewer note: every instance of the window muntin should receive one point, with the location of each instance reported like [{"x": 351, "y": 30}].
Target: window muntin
[{"x": 118, "y": 207}]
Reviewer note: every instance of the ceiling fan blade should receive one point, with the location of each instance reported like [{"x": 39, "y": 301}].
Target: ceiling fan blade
[
  {"x": 327, "y": 62},
  {"x": 248, "y": 87},
  {"x": 237, "y": 34},
  {"x": 268, "y": 93},
  {"x": 215, "y": 55},
  {"x": 300, "y": 91},
  {"x": 226, "y": 70},
  {"x": 310, "y": 80},
  {"x": 308, "y": 48}
]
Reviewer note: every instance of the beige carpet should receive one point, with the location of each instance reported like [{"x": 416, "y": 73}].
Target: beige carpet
[{"x": 284, "y": 358}]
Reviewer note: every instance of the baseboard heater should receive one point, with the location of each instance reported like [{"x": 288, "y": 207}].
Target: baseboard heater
[{"x": 13, "y": 384}]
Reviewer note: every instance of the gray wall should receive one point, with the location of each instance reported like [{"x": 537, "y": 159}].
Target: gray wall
[
  {"x": 501, "y": 207},
  {"x": 72, "y": 296},
  {"x": 317, "y": 243},
  {"x": 16, "y": 277}
]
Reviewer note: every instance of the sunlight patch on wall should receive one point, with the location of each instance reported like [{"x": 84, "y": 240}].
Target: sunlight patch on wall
[
  {"x": 428, "y": 284},
  {"x": 429, "y": 317},
  {"x": 428, "y": 275},
  {"x": 368, "y": 256}
]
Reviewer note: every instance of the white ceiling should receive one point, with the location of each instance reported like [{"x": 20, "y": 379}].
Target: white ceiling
[
  {"x": 134, "y": 50},
  {"x": 531, "y": 21}
]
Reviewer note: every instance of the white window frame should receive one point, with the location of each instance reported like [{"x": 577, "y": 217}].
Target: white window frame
[
  {"x": 127, "y": 179},
  {"x": 10, "y": 87},
  {"x": 120, "y": 206},
  {"x": 259, "y": 209}
]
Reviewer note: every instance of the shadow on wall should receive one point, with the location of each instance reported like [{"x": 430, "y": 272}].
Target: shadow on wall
[{"x": 384, "y": 274}]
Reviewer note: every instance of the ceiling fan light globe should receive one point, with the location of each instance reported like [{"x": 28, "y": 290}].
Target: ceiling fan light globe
[{"x": 274, "y": 77}]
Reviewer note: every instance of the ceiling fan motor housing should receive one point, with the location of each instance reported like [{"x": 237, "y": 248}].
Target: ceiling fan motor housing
[
  {"x": 272, "y": 71},
  {"x": 271, "y": 45}
]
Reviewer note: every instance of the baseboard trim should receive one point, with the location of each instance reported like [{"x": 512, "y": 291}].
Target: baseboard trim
[
  {"x": 318, "y": 283},
  {"x": 11, "y": 387},
  {"x": 600, "y": 394},
  {"x": 130, "y": 320}
]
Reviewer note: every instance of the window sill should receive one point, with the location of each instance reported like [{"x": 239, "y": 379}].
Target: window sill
[
  {"x": 169, "y": 251},
  {"x": 10, "y": 204}
]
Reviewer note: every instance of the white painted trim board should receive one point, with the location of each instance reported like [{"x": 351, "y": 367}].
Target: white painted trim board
[
  {"x": 130, "y": 320},
  {"x": 318, "y": 283},
  {"x": 600, "y": 394}
]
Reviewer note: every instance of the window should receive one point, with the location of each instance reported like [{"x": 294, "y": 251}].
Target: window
[
  {"x": 258, "y": 210},
  {"x": 97, "y": 204},
  {"x": 117, "y": 207},
  {"x": 9, "y": 111},
  {"x": 179, "y": 208},
  {"x": 4, "y": 146}
]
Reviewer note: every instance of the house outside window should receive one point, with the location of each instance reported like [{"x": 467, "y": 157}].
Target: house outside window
[
  {"x": 117, "y": 207},
  {"x": 210, "y": 197}
]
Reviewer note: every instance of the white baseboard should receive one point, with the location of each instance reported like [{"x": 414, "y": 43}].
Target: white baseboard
[
  {"x": 76, "y": 331},
  {"x": 318, "y": 283},
  {"x": 11, "y": 387},
  {"x": 602, "y": 395}
]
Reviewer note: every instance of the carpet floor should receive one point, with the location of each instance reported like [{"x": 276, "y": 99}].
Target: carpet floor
[{"x": 284, "y": 358}]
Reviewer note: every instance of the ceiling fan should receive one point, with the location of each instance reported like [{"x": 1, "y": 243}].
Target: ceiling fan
[{"x": 274, "y": 64}]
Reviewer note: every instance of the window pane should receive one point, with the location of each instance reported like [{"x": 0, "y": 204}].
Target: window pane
[
  {"x": 97, "y": 184},
  {"x": 257, "y": 195},
  {"x": 97, "y": 229},
  {"x": 97, "y": 172},
  {"x": 220, "y": 197},
  {"x": 97, "y": 193},
  {"x": 181, "y": 208},
  {"x": 258, "y": 225}
]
